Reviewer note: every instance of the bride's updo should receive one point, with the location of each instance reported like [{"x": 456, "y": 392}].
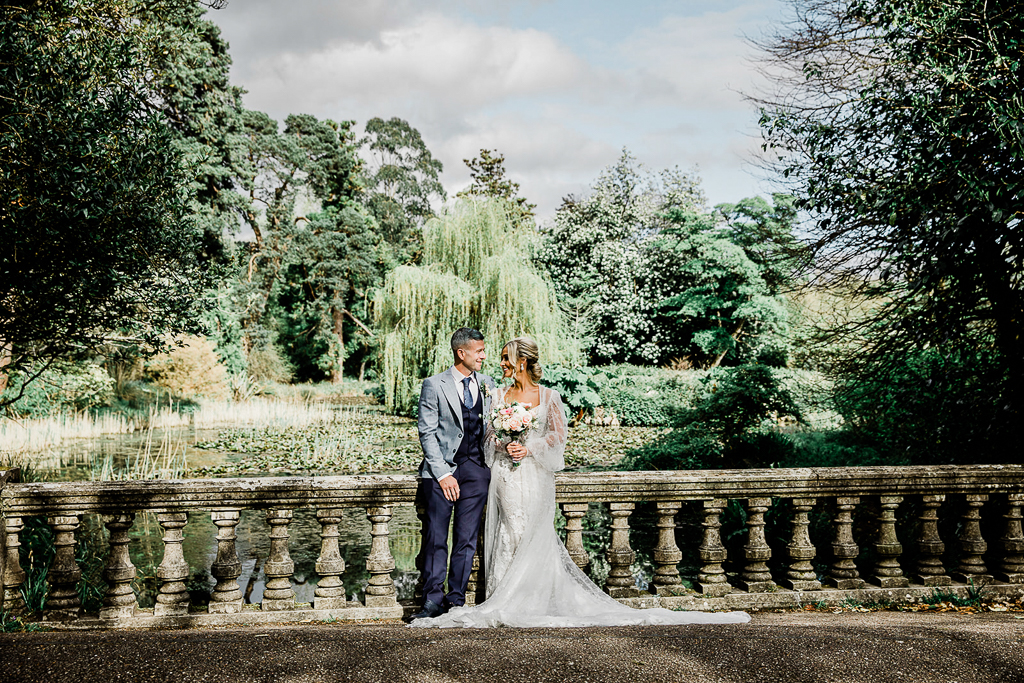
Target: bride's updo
[{"x": 524, "y": 350}]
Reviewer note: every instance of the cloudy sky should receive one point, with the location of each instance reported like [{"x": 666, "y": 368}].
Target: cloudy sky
[{"x": 559, "y": 87}]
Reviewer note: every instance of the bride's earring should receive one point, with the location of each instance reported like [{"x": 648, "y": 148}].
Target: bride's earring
[{"x": 520, "y": 367}]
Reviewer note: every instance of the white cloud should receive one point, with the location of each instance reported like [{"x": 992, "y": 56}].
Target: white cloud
[{"x": 558, "y": 105}]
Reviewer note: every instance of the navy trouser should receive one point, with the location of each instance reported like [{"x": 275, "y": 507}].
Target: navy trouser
[{"x": 469, "y": 509}]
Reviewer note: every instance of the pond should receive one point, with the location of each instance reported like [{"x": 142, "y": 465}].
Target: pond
[{"x": 172, "y": 453}]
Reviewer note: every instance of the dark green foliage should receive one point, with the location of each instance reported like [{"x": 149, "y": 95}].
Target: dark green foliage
[
  {"x": 580, "y": 388},
  {"x": 932, "y": 407},
  {"x": 838, "y": 448},
  {"x": 190, "y": 80},
  {"x": 910, "y": 162},
  {"x": 732, "y": 426},
  {"x": 637, "y": 405},
  {"x": 94, "y": 198}
]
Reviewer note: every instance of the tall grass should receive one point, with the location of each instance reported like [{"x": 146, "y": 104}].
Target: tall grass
[
  {"x": 168, "y": 461},
  {"x": 42, "y": 435}
]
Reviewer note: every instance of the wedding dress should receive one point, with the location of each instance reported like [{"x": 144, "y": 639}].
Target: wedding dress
[{"x": 531, "y": 580}]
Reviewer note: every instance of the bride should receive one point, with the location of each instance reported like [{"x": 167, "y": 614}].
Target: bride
[{"x": 531, "y": 580}]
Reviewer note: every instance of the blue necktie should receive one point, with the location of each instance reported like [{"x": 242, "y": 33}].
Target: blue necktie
[{"x": 467, "y": 397}]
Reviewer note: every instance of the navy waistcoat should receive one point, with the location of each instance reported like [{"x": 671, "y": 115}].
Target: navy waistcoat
[{"x": 472, "y": 432}]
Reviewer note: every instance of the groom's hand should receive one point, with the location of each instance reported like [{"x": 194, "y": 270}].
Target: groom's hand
[{"x": 450, "y": 488}]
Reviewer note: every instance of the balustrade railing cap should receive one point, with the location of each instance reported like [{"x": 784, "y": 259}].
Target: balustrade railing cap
[{"x": 383, "y": 490}]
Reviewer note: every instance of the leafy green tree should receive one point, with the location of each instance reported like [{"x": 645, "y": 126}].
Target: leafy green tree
[
  {"x": 99, "y": 246},
  {"x": 489, "y": 180},
  {"x": 475, "y": 272},
  {"x": 305, "y": 281},
  {"x": 718, "y": 300},
  {"x": 401, "y": 178},
  {"x": 657, "y": 276},
  {"x": 190, "y": 67},
  {"x": 899, "y": 125}
]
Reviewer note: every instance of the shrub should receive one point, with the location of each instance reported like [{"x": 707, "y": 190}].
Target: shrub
[
  {"x": 579, "y": 387},
  {"x": 732, "y": 425},
  {"x": 65, "y": 386},
  {"x": 267, "y": 364},
  {"x": 192, "y": 370}
]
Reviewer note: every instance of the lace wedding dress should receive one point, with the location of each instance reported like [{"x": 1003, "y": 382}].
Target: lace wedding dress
[{"x": 531, "y": 580}]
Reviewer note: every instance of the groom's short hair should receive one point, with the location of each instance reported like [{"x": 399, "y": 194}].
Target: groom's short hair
[{"x": 463, "y": 336}]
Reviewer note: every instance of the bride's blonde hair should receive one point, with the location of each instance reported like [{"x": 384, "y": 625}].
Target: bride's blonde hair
[{"x": 524, "y": 349}]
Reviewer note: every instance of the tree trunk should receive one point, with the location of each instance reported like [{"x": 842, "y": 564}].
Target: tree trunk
[
  {"x": 338, "y": 316},
  {"x": 735, "y": 337}
]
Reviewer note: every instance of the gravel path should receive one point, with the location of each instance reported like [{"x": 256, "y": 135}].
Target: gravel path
[{"x": 806, "y": 647}]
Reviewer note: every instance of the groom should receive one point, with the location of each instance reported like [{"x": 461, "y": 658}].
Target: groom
[{"x": 453, "y": 475}]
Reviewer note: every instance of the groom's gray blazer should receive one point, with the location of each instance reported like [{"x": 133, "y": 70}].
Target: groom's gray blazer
[{"x": 440, "y": 421}]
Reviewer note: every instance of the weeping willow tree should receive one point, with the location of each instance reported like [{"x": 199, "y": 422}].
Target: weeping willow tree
[{"x": 476, "y": 272}]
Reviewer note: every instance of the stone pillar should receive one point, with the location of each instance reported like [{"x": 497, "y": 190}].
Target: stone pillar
[
  {"x": 843, "y": 574},
  {"x": 574, "y": 514},
  {"x": 62, "y": 601},
  {"x": 330, "y": 591},
  {"x": 14, "y": 575},
  {"x": 755, "y": 577},
  {"x": 1011, "y": 569},
  {"x": 475, "y": 584},
  {"x": 380, "y": 590},
  {"x": 887, "y": 572},
  {"x": 667, "y": 555},
  {"x": 421, "y": 514},
  {"x": 800, "y": 574},
  {"x": 119, "y": 601},
  {"x": 227, "y": 594},
  {"x": 930, "y": 571},
  {"x": 711, "y": 579},
  {"x": 278, "y": 594},
  {"x": 620, "y": 582},
  {"x": 972, "y": 546},
  {"x": 173, "y": 572}
]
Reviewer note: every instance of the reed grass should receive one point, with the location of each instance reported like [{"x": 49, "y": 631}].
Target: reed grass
[{"x": 168, "y": 461}]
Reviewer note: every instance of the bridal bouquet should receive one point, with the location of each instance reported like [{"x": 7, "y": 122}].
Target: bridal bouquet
[{"x": 511, "y": 422}]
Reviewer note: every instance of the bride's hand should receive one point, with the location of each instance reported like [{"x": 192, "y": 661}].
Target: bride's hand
[{"x": 516, "y": 451}]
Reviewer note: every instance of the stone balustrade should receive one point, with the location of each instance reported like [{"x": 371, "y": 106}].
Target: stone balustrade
[{"x": 862, "y": 557}]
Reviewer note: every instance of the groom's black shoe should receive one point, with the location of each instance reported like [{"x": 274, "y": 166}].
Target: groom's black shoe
[{"x": 430, "y": 609}]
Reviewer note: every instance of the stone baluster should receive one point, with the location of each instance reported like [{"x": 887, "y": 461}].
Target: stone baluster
[
  {"x": 173, "y": 572},
  {"x": 227, "y": 594},
  {"x": 972, "y": 546},
  {"x": 330, "y": 590},
  {"x": 800, "y": 575},
  {"x": 421, "y": 514},
  {"x": 887, "y": 572},
  {"x": 620, "y": 582},
  {"x": 574, "y": 514},
  {"x": 667, "y": 555},
  {"x": 380, "y": 590},
  {"x": 930, "y": 547},
  {"x": 755, "y": 577},
  {"x": 1011, "y": 569},
  {"x": 119, "y": 601},
  {"x": 475, "y": 584},
  {"x": 14, "y": 575},
  {"x": 711, "y": 579},
  {"x": 843, "y": 573},
  {"x": 62, "y": 600},
  {"x": 278, "y": 594}
]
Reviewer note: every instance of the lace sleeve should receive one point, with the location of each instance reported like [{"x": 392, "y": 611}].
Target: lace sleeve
[
  {"x": 490, "y": 445},
  {"x": 548, "y": 445}
]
